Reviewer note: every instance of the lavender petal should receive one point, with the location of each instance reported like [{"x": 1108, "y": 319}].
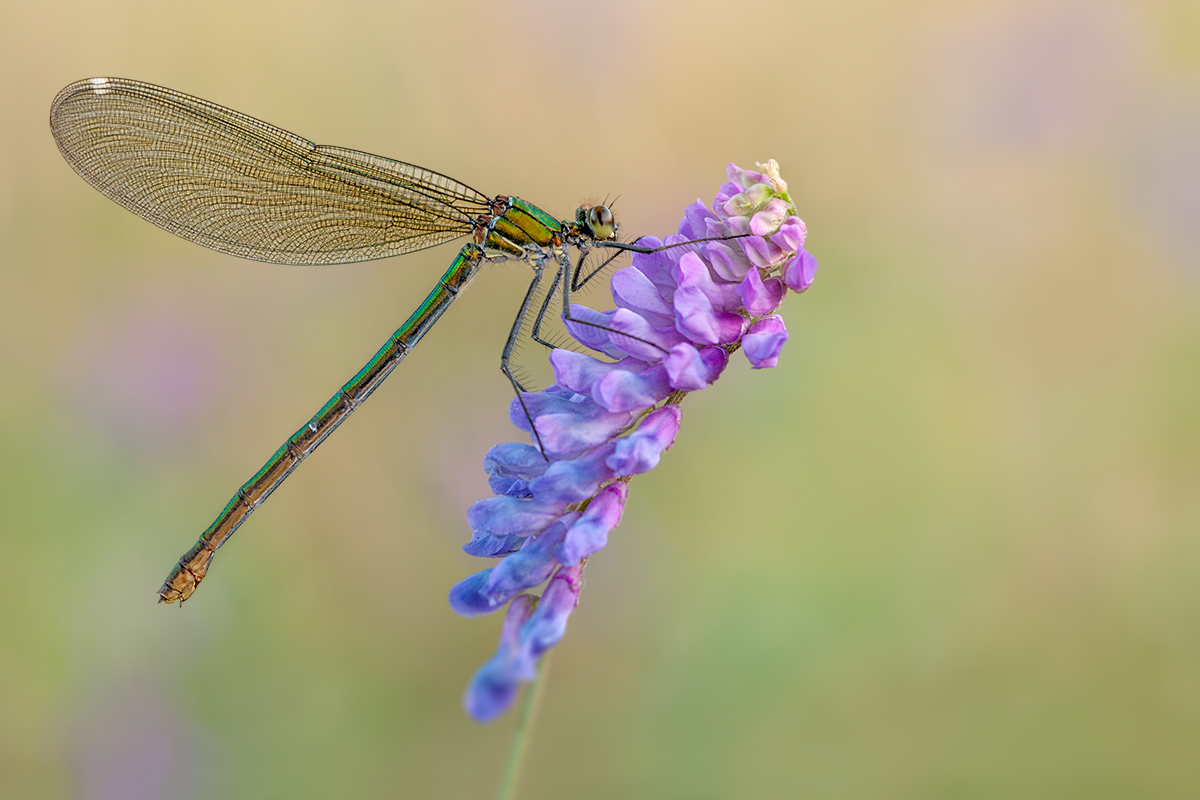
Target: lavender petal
[
  {"x": 486, "y": 545},
  {"x": 590, "y": 329},
  {"x": 791, "y": 235},
  {"x": 696, "y": 319},
  {"x": 655, "y": 266},
  {"x": 633, "y": 290},
  {"x": 692, "y": 271},
  {"x": 800, "y": 271},
  {"x": 764, "y": 341},
  {"x": 527, "y": 567},
  {"x": 564, "y": 434},
  {"x": 589, "y": 533},
  {"x": 510, "y": 467},
  {"x": 640, "y": 451},
  {"x": 579, "y": 371},
  {"x": 621, "y": 390},
  {"x": 511, "y": 516},
  {"x": 467, "y": 598},
  {"x": 743, "y": 177},
  {"x": 730, "y": 265},
  {"x": 767, "y": 221},
  {"x": 762, "y": 252},
  {"x": 694, "y": 222},
  {"x": 758, "y": 296},
  {"x": 575, "y": 480},
  {"x": 540, "y": 404},
  {"x": 635, "y": 336},
  {"x": 494, "y": 686},
  {"x": 547, "y": 624}
]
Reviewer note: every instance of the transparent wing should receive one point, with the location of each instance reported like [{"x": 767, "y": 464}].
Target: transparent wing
[{"x": 241, "y": 186}]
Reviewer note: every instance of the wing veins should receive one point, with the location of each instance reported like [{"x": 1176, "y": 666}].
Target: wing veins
[{"x": 239, "y": 185}]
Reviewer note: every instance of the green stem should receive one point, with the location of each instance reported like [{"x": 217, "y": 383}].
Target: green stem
[{"x": 520, "y": 742}]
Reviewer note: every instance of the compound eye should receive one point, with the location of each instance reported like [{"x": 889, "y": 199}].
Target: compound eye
[{"x": 601, "y": 221}]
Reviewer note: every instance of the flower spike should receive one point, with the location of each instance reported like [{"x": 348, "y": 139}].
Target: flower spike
[{"x": 680, "y": 313}]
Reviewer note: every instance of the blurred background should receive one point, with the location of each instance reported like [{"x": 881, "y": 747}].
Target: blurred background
[{"x": 948, "y": 548}]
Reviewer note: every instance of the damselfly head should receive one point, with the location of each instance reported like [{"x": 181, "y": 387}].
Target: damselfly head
[{"x": 599, "y": 220}]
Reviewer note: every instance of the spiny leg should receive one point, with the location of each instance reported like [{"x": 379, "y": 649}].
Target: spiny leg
[
  {"x": 565, "y": 266},
  {"x": 536, "y": 332},
  {"x": 576, "y": 283},
  {"x": 506, "y": 356},
  {"x": 634, "y": 248}
]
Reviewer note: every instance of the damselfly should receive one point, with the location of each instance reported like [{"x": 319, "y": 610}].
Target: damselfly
[{"x": 242, "y": 186}]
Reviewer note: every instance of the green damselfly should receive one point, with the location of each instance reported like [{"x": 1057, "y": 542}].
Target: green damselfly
[{"x": 244, "y": 187}]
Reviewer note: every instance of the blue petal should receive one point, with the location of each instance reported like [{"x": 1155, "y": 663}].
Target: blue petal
[
  {"x": 485, "y": 545},
  {"x": 694, "y": 217},
  {"x": 467, "y": 599},
  {"x": 640, "y": 451},
  {"x": 527, "y": 567},
  {"x": 542, "y": 403},
  {"x": 512, "y": 487},
  {"x": 494, "y": 686},
  {"x": 633, "y": 290},
  {"x": 546, "y": 626},
  {"x": 563, "y": 434},
  {"x": 572, "y": 481},
  {"x": 505, "y": 516},
  {"x": 590, "y": 532},
  {"x": 621, "y": 390},
  {"x": 594, "y": 335},
  {"x": 514, "y": 458},
  {"x": 690, "y": 369},
  {"x": 511, "y": 466},
  {"x": 635, "y": 336}
]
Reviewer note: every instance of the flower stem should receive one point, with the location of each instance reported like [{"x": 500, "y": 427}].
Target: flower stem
[{"x": 520, "y": 742}]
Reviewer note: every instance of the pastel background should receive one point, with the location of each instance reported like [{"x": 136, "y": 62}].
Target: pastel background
[{"x": 948, "y": 548}]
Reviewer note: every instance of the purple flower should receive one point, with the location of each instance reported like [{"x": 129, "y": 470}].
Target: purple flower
[
  {"x": 729, "y": 264},
  {"x": 529, "y": 566},
  {"x": 633, "y": 290},
  {"x": 512, "y": 516},
  {"x": 495, "y": 685},
  {"x": 639, "y": 451},
  {"x": 764, "y": 341},
  {"x": 759, "y": 296},
  {"x": 548, "y": 622},
  {"x": 681, "y": 310},
  {"x": 621, "y": 390},
  {"x": 511, "y": 466},
  {"x": 589, "y": 533},
  {"x": 575, "y": 480},
  {"x": 800, "y": 271},
  {"x": 689, "y": 369},
  {"x": 530, "y": 628}
]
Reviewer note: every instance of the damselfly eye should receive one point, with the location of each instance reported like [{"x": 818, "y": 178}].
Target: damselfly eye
[{"x": 601, "y": 221}]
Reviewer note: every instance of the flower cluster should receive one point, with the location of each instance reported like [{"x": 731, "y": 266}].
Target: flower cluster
[{"x": 681, "y": 311}]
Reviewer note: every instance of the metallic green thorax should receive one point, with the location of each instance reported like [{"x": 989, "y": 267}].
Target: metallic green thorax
[{"x": 522, "y": 227}]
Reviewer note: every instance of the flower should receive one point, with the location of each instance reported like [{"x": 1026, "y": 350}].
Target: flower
[{"x": 682, "y": 308}]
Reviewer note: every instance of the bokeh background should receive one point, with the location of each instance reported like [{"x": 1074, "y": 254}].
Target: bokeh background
[{"x": 949, "y": 548}]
